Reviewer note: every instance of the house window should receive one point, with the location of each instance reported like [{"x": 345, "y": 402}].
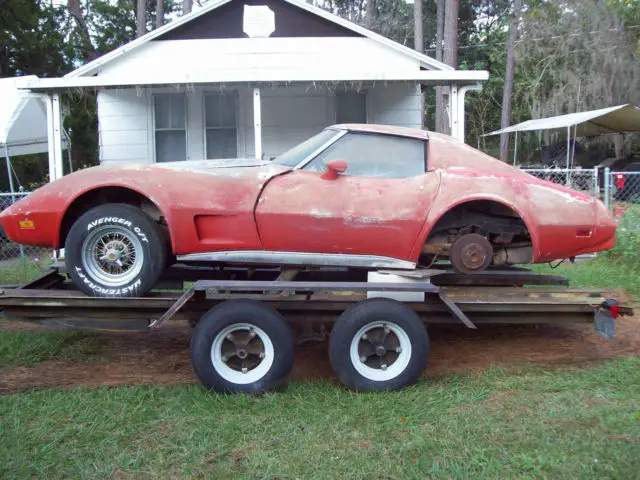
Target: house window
[
  {"x": 170, "y": 125},
  {"x": 220, "y": 123},
  {"x": 351, "y": 107}
]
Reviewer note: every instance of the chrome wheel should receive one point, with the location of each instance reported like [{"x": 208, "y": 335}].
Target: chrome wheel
[
  {"x": 242, "y": 353},
  {"x": 112, "y": 255},
  {"x": 380, "y": 351}
]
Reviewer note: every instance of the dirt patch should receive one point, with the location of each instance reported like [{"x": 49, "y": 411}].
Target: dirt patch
[{"x": 162, "y": 357}]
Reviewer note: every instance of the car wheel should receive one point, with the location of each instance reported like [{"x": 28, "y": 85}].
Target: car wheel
[
  {"x": 115, "y": 250},
  {"x": 242, "y": 346},
  {"x": 471, "y": 253},
  {"x": 378, "y": 345}
]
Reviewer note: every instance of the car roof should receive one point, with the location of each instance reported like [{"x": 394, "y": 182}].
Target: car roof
[{"x": 385, "y": 129}]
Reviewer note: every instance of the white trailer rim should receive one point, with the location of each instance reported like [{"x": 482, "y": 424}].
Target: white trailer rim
[
  {"x": 227, "y": 366},
  {"x": 387, "y": 371}
]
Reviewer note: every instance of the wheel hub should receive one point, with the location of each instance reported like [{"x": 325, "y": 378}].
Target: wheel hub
[
  {"x": 379, "y": 347},
  {"x": 112, "y": 255},
  {"x": 473, "y": 256},
  {"x": 242, "y": 353},
  {"x": 471, "y": 253}
]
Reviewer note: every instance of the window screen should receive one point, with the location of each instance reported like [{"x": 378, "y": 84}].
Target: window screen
[
  {"x": 351, "y": 107},
  {"x": 375, "y": 155},
  {"x": 220, "y": 124},
  {"x": 170, "y": 127}
]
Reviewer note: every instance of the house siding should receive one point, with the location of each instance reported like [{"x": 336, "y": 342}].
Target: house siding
[
  {"x": 261, "y": 59},
  {"x": 123, "y": 126},
  {"x": 289, "y": 115}
]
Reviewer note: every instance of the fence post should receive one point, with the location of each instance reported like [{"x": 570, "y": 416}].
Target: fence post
[
  {"x": 607, "y": 187},
  {"x": 596, "y": 184}
]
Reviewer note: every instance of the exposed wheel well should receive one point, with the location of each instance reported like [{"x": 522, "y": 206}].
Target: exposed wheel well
[
  {"x": 103, "y": 195},
  {"x": 503, "y": 226}
]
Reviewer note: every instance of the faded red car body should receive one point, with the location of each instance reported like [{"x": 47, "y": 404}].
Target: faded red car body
[{"x": 277, "y": 208}]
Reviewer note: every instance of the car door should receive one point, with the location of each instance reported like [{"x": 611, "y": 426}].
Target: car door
[{"x": 376, "y": 207}]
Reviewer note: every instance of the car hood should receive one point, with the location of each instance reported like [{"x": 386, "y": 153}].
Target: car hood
[{"x": 234, "y": 167}]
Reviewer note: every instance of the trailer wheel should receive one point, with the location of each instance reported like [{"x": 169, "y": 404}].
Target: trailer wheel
[
  {"x": 378, "y": 345},
  {"x": 242, "y": 346}
]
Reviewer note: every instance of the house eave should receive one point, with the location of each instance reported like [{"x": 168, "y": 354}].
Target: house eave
[{"x": 426, "y": 77}]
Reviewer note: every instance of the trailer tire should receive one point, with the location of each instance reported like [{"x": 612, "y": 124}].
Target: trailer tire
[
  {"x": 378, "y": 345},
  {"x": 133, "y": 248},
  {"x": 242, "y": 346}
]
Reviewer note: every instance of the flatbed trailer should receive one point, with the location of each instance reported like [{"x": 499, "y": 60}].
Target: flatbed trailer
[{"x": 244, "y": 319}]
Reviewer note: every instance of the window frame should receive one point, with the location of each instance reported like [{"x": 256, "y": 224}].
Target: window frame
[
  {"x": 169, "y": 129},
  {"x": 205, "y": 128},
  {"x": 321, "y": 150}
]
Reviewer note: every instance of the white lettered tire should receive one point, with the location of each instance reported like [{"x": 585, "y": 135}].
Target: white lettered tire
[
  {"x": 378, "y": 345},
  {"x": 115, "y": 250}
]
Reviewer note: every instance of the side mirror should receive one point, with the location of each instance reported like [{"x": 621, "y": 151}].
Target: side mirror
[{"x": 334, "y": 167}]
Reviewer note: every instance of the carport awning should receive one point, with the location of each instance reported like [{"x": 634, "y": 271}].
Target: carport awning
[
  {"x": 23, "y": 118},
  {"x": 620, "y": 119}
]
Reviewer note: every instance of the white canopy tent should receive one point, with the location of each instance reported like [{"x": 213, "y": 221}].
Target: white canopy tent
[
  {"x": 23, "y": 121},
  {"x": 619, "y": 119}
]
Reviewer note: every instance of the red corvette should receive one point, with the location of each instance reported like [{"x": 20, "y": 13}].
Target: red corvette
[{"x": 358, "y": 196}]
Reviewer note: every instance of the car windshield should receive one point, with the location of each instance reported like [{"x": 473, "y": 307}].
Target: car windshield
[{"x": 293, "y": 157}]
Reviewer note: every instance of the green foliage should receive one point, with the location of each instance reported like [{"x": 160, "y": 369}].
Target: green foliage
[{"x": 627, "y": 249}]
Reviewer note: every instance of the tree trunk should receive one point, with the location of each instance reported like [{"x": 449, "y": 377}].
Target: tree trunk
[
  {"x": 187, "y": 5},
  {"x": 88, "y": 50},
  {"x": 505, "y": 120},
  {"x": 450, "y": 54},
  {"x": 439, "y": 38},
  {"x": 370, "y": 16},
  {"x": 141, "y": 17},
  {"x": 418, "y": 42},
  {"x": 159, "y": 13}
]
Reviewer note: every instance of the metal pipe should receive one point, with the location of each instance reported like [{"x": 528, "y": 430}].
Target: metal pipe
[
  {"x": 257, "y": 123},
  {"x": 607, "y": 187},
  {"x": 11, "y": 188},
  {"x": 515, "y": 149},
  {"x": 568, "y": 154}
]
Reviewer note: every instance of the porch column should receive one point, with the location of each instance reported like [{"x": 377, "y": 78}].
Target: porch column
[
  {"x": 54, "y": 136},
  {"x": 453, "y": 111},
  {"x": 257, "y": 123}
]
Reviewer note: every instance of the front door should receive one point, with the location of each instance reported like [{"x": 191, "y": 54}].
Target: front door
[{"x": 377, "y": 207}]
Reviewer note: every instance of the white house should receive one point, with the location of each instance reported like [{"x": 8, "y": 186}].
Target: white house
[{"x": 250, "y": 78}]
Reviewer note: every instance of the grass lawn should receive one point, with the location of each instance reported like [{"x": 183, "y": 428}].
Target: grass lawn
[
  {"x": 578, "y": 423},
  {"x": 600, "y": 272},
  {"x": 534, "y": 423},
  {"x": 21, "y": 272},
  {"x": 25, "y": 347}
]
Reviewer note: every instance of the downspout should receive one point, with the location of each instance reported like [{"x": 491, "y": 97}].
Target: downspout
[{"x": 462, "y": 91}]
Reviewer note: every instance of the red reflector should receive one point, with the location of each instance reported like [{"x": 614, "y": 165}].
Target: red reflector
[
  {"x": 615, "y": 310},
  {"x": 583, "y": 233}
]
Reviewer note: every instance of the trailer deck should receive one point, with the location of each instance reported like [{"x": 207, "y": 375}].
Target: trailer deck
[
  {"x": 316, "y": 299},
  {"x": 493, "y": 297}
]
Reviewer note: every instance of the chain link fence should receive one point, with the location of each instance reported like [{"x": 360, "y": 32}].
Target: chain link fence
[
  {"x": 583, "y": 180},
  {"x": 11, "y": 253}
]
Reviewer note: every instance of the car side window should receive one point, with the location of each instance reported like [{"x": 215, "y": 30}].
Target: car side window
[{"x": 375, "y": 155}]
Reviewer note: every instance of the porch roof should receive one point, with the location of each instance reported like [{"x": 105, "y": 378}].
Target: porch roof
[{"x": 255, "y": 78}]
